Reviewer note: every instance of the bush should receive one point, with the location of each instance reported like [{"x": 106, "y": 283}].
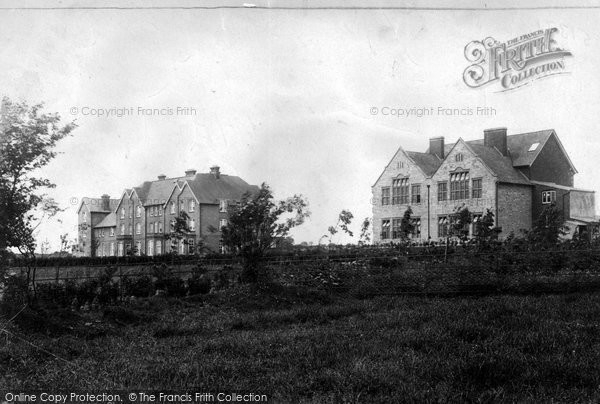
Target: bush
[
  {"x": 198, "y": 284},
  {"x": 139, "y": 286}
]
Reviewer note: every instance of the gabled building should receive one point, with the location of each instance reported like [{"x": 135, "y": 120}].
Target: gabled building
[
  {"x": 514, "y": 176},
  {"x": 138, "y": 221}
]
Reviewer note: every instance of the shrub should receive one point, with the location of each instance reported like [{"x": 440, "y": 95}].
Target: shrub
[{"x": 198, "y": 284}]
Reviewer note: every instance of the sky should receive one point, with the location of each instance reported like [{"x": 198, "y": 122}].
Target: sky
[{"x": 282, "y": 96}]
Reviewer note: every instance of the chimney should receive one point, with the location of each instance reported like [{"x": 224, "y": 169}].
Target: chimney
[
  {"x": 189, "y": 172},
  {"x": 214, "y": 170},
  {"x": 162, "y": 177},
  {"x": 436, "y": 146},
  {"x": 496, "y": 138},
  {"x": 105, "y": 202}
]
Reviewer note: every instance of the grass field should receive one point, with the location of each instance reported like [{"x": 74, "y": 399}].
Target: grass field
[{"x": 297, "y": 346}]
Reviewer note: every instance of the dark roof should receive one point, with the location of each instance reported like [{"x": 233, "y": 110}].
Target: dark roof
[
  {"x": 501, "y": 165},
  {"x": 425, "y": 161},
  {"x": 96, "y": 205},
  {"x": 518, "y": 146},
  {"x": 109, "y": 220},
  {"x": 209, "y": 189}
]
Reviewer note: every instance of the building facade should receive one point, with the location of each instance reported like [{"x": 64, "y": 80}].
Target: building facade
[
  {"x": 139, "y": 220},
  {"x": 513, "y": 176}
]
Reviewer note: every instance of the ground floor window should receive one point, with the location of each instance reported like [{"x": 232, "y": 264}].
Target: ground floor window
[
  {"x": 158, "y": 247},
  {"x": 138, "y": 247},
  {"x": 112, "y": 249},
  {"x": 396, "y": 227},
  {"x": 416, "y": 222},
  {"x": 150, "y": 248},
  {"x": 190, "y": 246},
  {"x": 120, "y": 249},
  {"x": 443, "y": 226},
  {"x": 385, "y": 229}
]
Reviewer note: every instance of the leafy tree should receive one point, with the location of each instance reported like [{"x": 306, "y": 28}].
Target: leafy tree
[
  {"x": 179, "y": 231},
  {"x": 549, "y": 227},
  {"x": 407, "y": 227},
  {"x": 365, "y": 236},
  {"x": 344, "y": 219},
  {"x": 257, "y": 223},
  {"x": 484, "y": 229},
  {"x": 459, "y": 222},
  {"x": 28, "y": 137}
]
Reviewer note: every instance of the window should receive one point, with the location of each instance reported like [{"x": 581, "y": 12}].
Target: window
[
  {"x": 192, "y": 225},
  {"x": 152, "y": 211},
  {"x": 138, "y": 211},
  {"x": 459, "y": 186},
  {"x": 160, "y": 228},
  {"x": 476, "y": 219},
  {"x": 396, "y": 226},
  {"x": 385, "y": 196},
  {"x": 192, "y": 205},
  {"x": 138, "y": 228},
  {"x": 122, "y": 213},
  {"x": 120, "y": 249},
  {"x": 477, "y": 189},
  {"x": 122, "y": 229},
  {"x": 172, "y": 224},
  {"x": 222, "y": 223},
  {"x": 415, "y": 194},
  {"x": 103, "y": 249},
  {"x": 416, "y": 222},
  {"x": 158, "y": 247},
  {"x": 138, "y": 247},
  {"x": 130, "y": 230},
  {"x": 442, "y": 191},
  {"x": 458, "y": 157},
  {"x": 190, "y": 246},
  {"x": 533, "y": 147},
  {"x": 172, "y": 207},
  {"x": 385, "y": 229},
  {"x": 443, "y": 226},
  {"x": 130, "y": 211},
  {"x": 222, "y": 206},
  {"x": 400, "y": 191},
  {"x": 400, "y": 164},
  {"x": 160, "y": 210},
  {"x": 128, "y": 248},
  {"x": 150, "y": 248},
  {"x": 548, "y": 197},
  {"x": 112, "y": 231},
  {"x": 112, "y": 249},
  {"x": 181, "y": 247},
  {"x": 181, "y": 206}
]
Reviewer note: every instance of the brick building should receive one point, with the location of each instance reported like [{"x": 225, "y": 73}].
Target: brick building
[
  {"x": 514, "y": 176},
  {"x": 140, "y": 218}
]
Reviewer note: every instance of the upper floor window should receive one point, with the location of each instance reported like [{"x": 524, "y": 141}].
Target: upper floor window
[
  {"x": 130, "y": 211},
  {"x": 172, "y": 207},
  {"x": 222, "y": 223},
  {"x": 385, "y": 229},
  {"x": 400, "y": 191},
  {"x": 477, "y": 188},
  {"x": 223, "y": 205},
  {"x": 181, "y": 206},
  {"x": 192, "y": 205},
  {"x": 190, "y": 243},
  {"x": 548, "y": 196},
  {"x": 459, "y": 186},
  {"x": 138, "y": 228},
  {"x": 416, "y": 193},
  {"x": 458, "y": 157},
  {"x": 130, "y": 229},
  {"x": 160, "y": 210},
  {"x": 442, "y": 191},
  {"x": 192, "y": 224},
  {"x": 123, "y": 229},
  {"x": 138, "y": 211},
  {"x": 112, "y": 232},
  {"x": 400, "y": 164},
  {"x": 385, "y": 196},
  {"x": 160, "y": 228},
  {"x": 122, "y": 213}
]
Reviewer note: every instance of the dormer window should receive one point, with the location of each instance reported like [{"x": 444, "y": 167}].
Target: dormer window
[{"x": 458, "y": 157}]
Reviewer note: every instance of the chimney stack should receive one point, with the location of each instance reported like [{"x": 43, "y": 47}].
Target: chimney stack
[
  {"x": 162, "y": 177},
  {"x": 496, "y": 137},
  {"x": 214, "y": 170},
  {"x": 436, "y": 146},
  {"x": 189, "y": 172},
  {"x": 105, "y": 202}
]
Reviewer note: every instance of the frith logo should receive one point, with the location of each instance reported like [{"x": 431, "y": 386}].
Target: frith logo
[{"x": 514, "y": 63}]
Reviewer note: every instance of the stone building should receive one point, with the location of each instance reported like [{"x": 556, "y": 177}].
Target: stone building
[
  {"x": 140, "y": 218},
  {"x": 514, "y": 176}
]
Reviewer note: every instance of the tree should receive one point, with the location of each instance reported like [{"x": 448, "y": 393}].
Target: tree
[
  {"x": 548, "y": 227},
  {"x": 365, "y": 236},
  {"x": 257, "y": 222},
  {"x": 407, "y": 227},
  {"x": 28, "y": 137},
  {"x": 484, "y": 230},
  {"x": 459, "y": 223},
  {"x": 179, "y": 231},
  {"x": 344, "y": 219}
]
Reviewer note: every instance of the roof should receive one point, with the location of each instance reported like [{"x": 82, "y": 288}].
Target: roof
[
  {"x": 96, "y": 205},
  {"x": 563, "y": 187},
  {"x": 209, "y": 189},
  {"x": 109, "y": 221},
  {"x": 501, "y": 165},
  {"x": 518, "y": 146},
  {"x": 426, "y": 162}
]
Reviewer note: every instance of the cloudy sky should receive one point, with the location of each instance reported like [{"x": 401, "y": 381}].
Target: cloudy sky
[{"x": 281, "y": 96}]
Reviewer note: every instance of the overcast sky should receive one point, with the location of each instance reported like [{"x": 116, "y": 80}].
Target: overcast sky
[{"x": 282, "y": 96}]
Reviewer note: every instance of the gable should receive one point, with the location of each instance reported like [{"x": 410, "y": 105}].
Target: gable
[
  {"x": 401, "y": 165},
  {"x": 470, "y": 160},
  {"x": 552, "y": 164}
]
